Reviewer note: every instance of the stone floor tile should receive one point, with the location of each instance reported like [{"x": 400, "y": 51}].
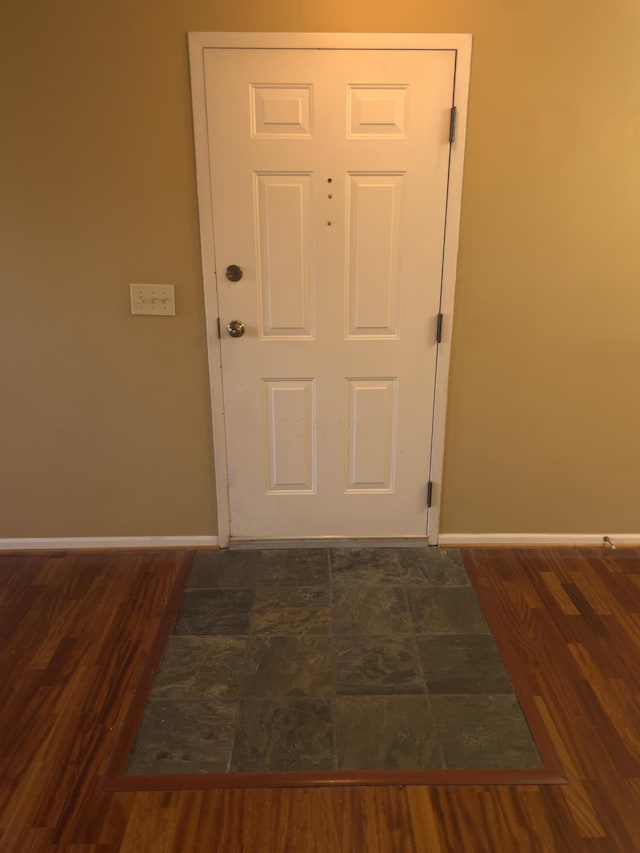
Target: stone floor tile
[
  {"x": 292, "y": 610},
  {"x": 447, "y": 610},
  {"x": 371, "y": 566},
  {"x": 377, "y": 665},
  {"x": 214, "y": 611},
  {"x": 371, "y": 610},
  {"x": 289, "y": 666},
  {"x": 284, "y": 735},
  {"x": 435, "y": 566},
  {"x": 206, "y": 667},
  {"x": 386, "y": 733},
  {"x": 484, "y": 731},
  {"x": 295, "y": 567},
  {"x": 226, "y": 569},
  {"x": 184, "y": 736},
  {"x": 467, "y": 663}
]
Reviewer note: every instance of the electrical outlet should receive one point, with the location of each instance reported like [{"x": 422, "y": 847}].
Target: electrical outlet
[{"x": 158, "y": 299}]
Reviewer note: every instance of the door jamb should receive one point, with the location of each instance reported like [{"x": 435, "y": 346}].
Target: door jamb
[{"x": 198, "y": 43}]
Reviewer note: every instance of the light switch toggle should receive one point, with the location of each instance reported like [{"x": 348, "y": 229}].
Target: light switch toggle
[{"x": 157, "y": 299}]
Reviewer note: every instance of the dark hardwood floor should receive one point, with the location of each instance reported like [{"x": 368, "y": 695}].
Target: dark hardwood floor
[{"x": 76, "y": 630}]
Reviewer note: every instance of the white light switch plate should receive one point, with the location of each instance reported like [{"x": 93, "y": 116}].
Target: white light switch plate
[{"x": 153, "y": 299}]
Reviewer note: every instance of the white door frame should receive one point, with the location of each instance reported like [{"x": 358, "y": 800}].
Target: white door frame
[{"x": 198, "y": 44}]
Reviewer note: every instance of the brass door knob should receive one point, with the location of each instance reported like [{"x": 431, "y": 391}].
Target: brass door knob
[
  {"x": 233, "y": 272},
  {"x": 235, "y": 329}
]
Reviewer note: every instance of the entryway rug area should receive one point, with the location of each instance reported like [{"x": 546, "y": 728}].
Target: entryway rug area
[{"x": 367, "y": 665}]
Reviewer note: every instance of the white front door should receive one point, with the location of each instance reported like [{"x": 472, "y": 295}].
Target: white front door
[{"x": 329, "y": 176}]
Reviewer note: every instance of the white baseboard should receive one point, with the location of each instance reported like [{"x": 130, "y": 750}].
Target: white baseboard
[
  {"x": 105, "y": 542},
  {"x": 445, "y": 539},
  {"x": 537, "y": 539}
]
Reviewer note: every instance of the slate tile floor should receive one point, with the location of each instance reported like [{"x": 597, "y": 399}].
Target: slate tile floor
[{"x": 345, "y": 659}]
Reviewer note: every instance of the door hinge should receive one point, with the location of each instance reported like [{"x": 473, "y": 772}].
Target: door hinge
[
  {"x": 452, "y": 125},
  {"x": 439, "y": 328},
  {"x": 429, "y": 493},
  {"x": 219, "y": 332}
]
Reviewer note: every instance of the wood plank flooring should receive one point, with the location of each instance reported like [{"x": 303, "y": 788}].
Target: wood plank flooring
[{"x": 77, "y": 628}]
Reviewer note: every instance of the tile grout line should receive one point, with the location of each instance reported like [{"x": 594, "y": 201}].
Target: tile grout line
[
  {"x": 241, "y": 696},
  {"x": 439, "y": 747},
  {"x": 334, "y": 698}
]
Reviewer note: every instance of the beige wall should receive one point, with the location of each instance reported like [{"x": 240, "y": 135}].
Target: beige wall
[{"x": 105, "y": 425}]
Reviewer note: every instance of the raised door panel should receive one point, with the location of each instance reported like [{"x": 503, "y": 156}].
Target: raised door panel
[{"x": 284, "y": 248}]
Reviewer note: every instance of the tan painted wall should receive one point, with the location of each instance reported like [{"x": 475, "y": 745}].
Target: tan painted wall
[{"x": 105, "y": 423}]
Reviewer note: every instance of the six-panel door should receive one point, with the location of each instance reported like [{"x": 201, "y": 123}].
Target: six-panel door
[{"x": 329, "y": 185}]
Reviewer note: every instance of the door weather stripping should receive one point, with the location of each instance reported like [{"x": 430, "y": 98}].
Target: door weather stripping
[
  {"x": 219, "y": 332},
  {"x": 439, "y": 328},
  {"x": 452, "y": 125},
  {"x": 429, "y": 493}
]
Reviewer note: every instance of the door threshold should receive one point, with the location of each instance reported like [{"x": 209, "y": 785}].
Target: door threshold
[{"x": 330, "y": 542}]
